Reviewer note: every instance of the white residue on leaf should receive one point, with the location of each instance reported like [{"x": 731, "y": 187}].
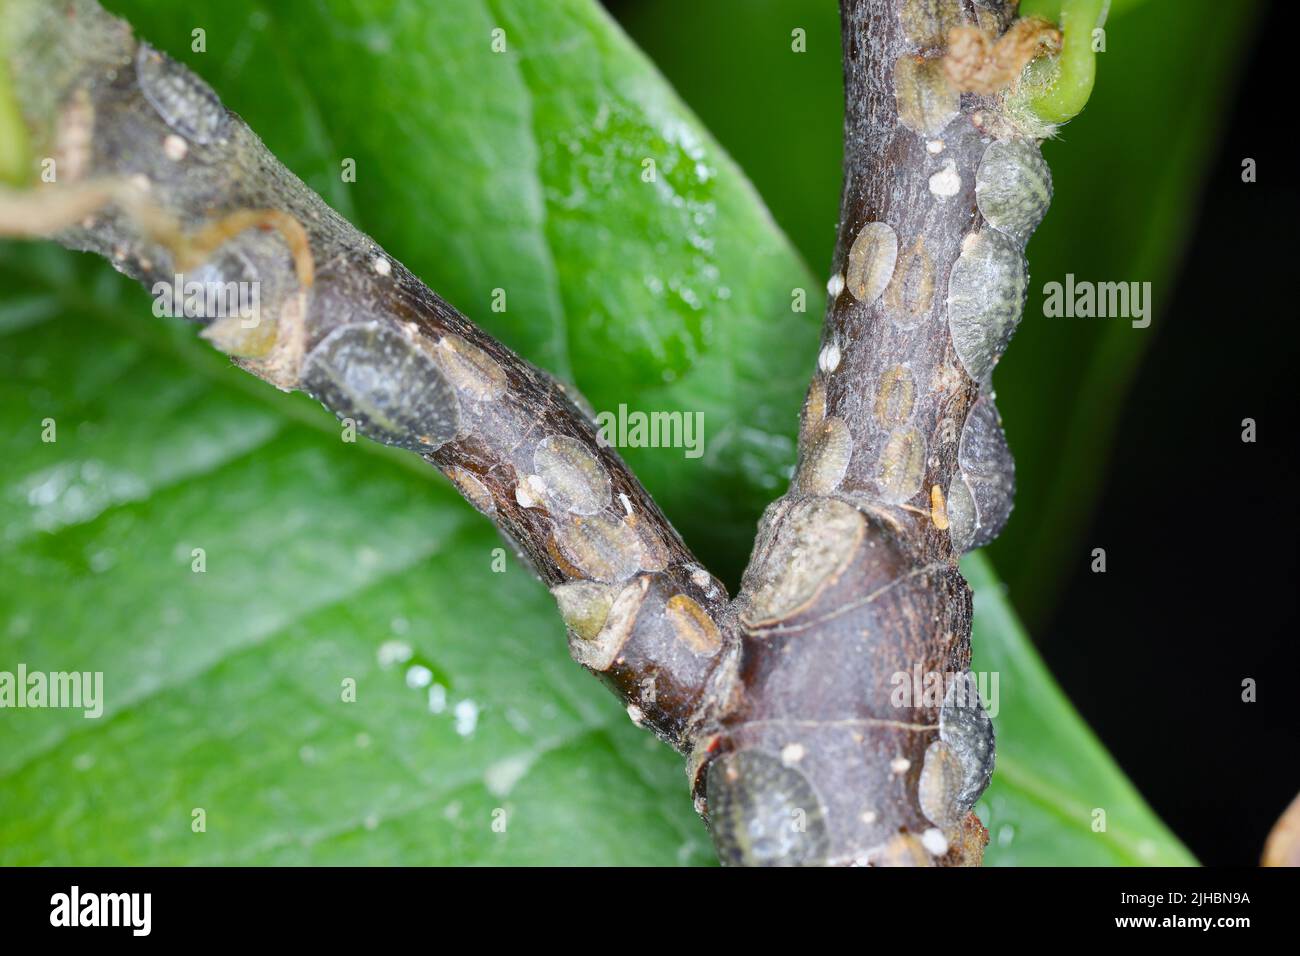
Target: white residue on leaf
[
  {"x": 394, "y": 652},
  {"x": 417, "y": 676},
  {"x": 466, "y": 714},
  {"x": 501, "y": 777}
]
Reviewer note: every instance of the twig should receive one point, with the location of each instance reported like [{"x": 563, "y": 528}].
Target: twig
[
  {"x": 155, "y": 174},
  {"x": 903, "y": 466}
]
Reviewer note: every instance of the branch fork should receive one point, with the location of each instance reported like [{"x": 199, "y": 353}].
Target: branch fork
[{"x": 780, "y": 699}]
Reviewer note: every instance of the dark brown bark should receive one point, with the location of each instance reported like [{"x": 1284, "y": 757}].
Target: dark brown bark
[{"x": 853, "y": 586}]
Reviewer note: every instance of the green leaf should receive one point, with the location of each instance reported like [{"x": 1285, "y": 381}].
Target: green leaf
[
  {"x": 1057, "y": 797},
  {"x": 522, "y": 171},
  {"x": 327, "y": 561},
  {"x": 223, "y": 690}
]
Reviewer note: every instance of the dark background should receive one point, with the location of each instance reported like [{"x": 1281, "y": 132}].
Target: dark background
[{"x": 1198, "y": 527}]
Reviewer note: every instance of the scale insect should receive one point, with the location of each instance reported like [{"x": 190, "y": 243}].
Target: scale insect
[{"x": 392, "y": 388}]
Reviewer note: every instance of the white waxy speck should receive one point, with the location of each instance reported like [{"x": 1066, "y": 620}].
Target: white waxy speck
[
  {"x": 501, "y": 777},
  {"x": 466, "y": 717},
  {"x": 701, "y": 578},
  {"x": 934, "y": 841},
  {"x": 792, "y": 754},
  {"x": 381, "y": 265},
  {"x": 868, "y": 817},
  {"x": 417, "y": 675},
  {"x": 829, "y": 359},
  {"x": 175, "y": 148},
  {"x": 899, "y": 765},
  {"x": 934, "y": 147},
  {"x": 531, "y": 492},
  {"x": 946, "y": 182},
  {"x": 835, "y": 286},
  {"x": 636, "y": 713},
  {"x": 141, "y": 182},
  {"x": 394, "y": 652},
  {"x": 627, "y": 502},
  {"x": 437, "y": 699}
]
